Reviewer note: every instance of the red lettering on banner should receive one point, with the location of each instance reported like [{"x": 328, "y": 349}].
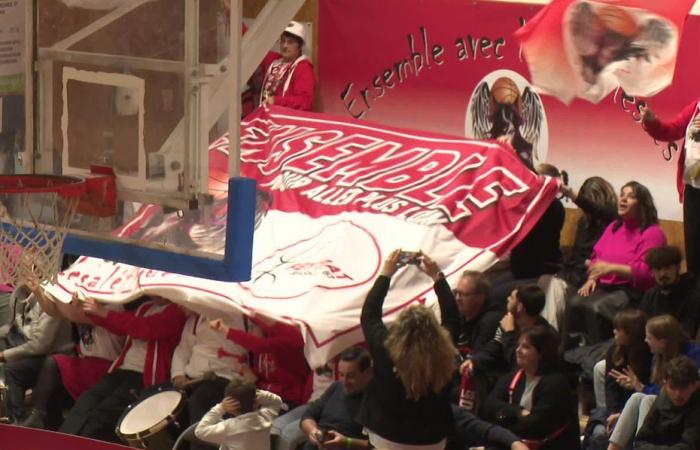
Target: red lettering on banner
[
  {"x": 73, "y": 274},
  {"x": 115, "y": 283},
  {"x": 94, "y": 282}
]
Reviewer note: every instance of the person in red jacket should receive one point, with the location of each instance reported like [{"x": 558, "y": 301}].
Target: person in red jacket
[
  {"x": 685, "y": 125},
  {"x": 152, "y": 332},
  {"x": 289, "y": 81},
  {"x": 279, "y": 363}
]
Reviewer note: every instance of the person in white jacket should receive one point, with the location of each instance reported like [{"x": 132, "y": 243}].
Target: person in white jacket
[
  {"x": 251, "y": 413},
  {"x": 204, "y": 362},
  {"x": 25, "y": 343}
]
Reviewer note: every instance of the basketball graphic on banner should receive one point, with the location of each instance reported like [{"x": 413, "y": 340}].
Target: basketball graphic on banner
[{"x": 505, "y": 104}]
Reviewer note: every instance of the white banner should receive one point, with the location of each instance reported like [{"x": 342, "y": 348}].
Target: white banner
[{"x": 339, "y": 195}]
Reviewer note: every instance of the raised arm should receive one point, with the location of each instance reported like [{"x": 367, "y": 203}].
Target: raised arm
[
  {"x": 168, "y": 322},
  {"x": 371, "y": 319},
  {"x": 449, "y": 314},
  {"x": 596, "y": 210},
  {"x": 668, "y": 130}
]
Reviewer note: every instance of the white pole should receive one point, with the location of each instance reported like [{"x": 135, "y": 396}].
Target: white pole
[
  {"x": 234, "y": 110},
  {"x": 28, "y": 150}
]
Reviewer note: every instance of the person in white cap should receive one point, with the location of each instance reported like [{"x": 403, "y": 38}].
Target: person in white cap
[{"x": 289, "y": 80}]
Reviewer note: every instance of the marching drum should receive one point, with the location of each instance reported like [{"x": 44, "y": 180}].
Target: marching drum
[
  {"x": 4, "y": 418},
  {"x": 148, "y": 423}
]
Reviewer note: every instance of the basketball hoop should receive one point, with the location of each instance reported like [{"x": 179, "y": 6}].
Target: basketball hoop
[{"x": 36, "y": 212}]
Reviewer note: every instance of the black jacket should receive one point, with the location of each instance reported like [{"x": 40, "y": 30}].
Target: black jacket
[
  {"x": 470, "y": 431},
  {"x": 682, "y": 301},
  {"x": 538, "y": 253},
  {"x": 336, "y": 410},
  {"x": 385, "y": 409},
  {"x": 588, "y": 230},
  {"x": 615, "y": 395},
  {"x": 476, "y": 333},
  {"x": 668, "y": 427},
  {"x": 553, "y": 406}
]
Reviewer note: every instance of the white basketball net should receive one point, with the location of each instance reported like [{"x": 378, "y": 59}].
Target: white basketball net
[{"x": 32, "y": 235}]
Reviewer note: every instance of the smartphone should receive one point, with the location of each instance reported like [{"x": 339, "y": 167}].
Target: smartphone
[
  {"x": 323, "y": 436},
  {"x": 409, "y": 258}
]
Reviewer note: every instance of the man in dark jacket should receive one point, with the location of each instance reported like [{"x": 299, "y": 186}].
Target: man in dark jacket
[
  {"x": 329, "y": 421},
  {"x": 674, "y": 294},
  {"x": 478, "y": 317},
  {"x": 524, "y": 307},
  {"x": 674, "y": 419}
]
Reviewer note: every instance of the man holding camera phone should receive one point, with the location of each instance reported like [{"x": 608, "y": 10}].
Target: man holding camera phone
[{"x": 329, "y": 422}]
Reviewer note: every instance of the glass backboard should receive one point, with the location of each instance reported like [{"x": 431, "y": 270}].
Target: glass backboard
[{"x": 131, "y": 86}]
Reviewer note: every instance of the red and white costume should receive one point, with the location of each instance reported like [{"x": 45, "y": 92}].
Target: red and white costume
[
  {"x": 291, "y": 84},
  {"x": 155, "y": 329}
]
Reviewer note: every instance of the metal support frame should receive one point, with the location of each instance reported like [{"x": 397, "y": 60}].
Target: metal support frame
[
  {"x": 234, "y": 82},
  {"x": 104, "y": 59},
  {"x": 27, "y": 160},
  {"x": 195, "y": 137},
  {"x": 100, "y": 23}
]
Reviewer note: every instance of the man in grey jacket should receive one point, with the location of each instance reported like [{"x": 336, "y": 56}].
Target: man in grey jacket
[{"x": 24, "y": 343}]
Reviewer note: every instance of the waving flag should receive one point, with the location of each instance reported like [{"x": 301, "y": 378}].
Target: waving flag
[
  {"x": 585, "y": 48},
  {"x": 335, "y": 197}
]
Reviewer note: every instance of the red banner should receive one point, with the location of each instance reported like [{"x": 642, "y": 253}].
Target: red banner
[{"x": 435, "y": 66}]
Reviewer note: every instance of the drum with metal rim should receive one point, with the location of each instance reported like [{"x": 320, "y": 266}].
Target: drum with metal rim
[
  {"x": 147, "y": 423},
  {"x": 4, "y": 417}
]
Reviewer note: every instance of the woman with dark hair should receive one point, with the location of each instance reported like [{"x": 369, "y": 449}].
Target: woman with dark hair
[
  {"x": 617, "y": 271},
  {"x": 536, "y": 400},
  {"x": 598, "y": 201},
  {"x": 407, "y": 401},
  {"x": 629, "y": 352}
]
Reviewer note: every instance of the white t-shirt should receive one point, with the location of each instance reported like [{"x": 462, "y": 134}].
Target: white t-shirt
[
  {"x": 136, "y": 354},
  {"x": 98, "y": 342},
  {"x": 691, "y": 165}
]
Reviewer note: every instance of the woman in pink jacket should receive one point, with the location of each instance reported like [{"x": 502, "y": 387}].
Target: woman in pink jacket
[{"x": 617, "y": 271}]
